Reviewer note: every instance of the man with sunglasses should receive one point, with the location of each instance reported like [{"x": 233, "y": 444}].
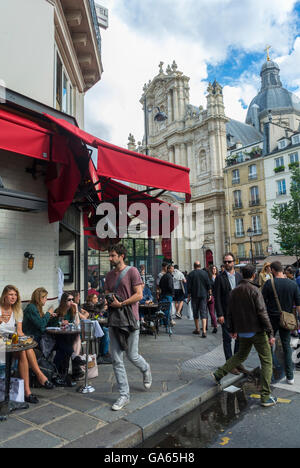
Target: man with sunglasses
[{"x": 226, "y": 282}]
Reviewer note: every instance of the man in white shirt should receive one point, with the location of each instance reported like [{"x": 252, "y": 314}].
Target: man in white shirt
[{"x": 179, "y": 281}]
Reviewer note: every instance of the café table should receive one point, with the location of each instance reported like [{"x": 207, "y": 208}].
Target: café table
[
  {"x": 7, "y": 406},
  {"x": 69, "y": 333}
]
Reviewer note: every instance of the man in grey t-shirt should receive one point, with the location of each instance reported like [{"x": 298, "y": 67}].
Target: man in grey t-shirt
[{"x": 130, "y": 288}]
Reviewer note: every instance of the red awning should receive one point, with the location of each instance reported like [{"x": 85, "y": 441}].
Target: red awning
[
  {"x": 22, "y": 136},
  {"x": 164, "y": 223},
  {"x": 121, "y": 164}
]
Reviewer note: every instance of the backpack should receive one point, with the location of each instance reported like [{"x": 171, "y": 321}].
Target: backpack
[{"x": 48, "y": 369}]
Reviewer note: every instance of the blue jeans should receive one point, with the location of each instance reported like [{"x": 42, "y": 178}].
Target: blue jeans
[
  {"x": 285, "y": 337},
  {"x": 168, "y": 299},
  {"x": 104, "y": 342},
  {"x": 227, "y": 340},
  {"x": 118, "y": 359}
]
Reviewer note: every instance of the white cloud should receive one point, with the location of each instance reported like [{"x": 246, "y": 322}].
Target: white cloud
[{"x": 194, "y": 33}]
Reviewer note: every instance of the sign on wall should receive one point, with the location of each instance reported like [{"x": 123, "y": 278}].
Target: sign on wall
[{"x": 102, "y": 15}]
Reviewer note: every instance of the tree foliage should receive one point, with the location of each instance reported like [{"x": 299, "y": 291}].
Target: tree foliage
[{"x": 288, "y": 218}]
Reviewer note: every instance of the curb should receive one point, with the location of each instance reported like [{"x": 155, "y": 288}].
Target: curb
[{"x": 135, "y": 428}]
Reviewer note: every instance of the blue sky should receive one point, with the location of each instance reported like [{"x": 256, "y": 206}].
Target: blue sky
[{"x": 209, "y": 39}]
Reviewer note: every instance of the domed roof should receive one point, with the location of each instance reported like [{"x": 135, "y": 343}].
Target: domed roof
[{"x": 272, "y": 95}]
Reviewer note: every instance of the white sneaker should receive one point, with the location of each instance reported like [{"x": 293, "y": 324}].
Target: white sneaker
[
  {"x": 120, "y": 403},
  {"x": 147, "y": 379},
  {"x": 290, "y": 382}
]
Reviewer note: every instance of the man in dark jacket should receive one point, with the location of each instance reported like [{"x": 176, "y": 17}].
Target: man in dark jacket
[
  {"x": 167, "y": 293},
  {"x": 224, "y": 284},
  {"x": 199, "y": 290},
  {"x": 247, "y": 317}
]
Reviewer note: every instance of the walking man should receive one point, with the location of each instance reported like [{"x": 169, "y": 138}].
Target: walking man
[
  {"x": 199, "y": 290},
  {"x": 288, "y": 295},
  {"x": 126, "y": 283},
  {"x": 225, "y": 283},
  {"x": 166, "y": 286},
  {"x": 247, "y": 318}
]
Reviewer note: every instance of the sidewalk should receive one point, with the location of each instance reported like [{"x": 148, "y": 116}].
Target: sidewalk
[{"x": 181, "y": 369}]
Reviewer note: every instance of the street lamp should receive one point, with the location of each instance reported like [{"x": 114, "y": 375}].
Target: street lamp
[
  {"x": 159, "y": 117},
  {"x": 250, "y": 233}
]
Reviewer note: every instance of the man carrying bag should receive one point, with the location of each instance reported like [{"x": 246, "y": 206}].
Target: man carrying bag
[
  {"x": 126, "y": 283},
  {"x": 280, "y": 298}
]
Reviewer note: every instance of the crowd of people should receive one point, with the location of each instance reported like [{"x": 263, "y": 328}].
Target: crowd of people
[{"x": 245, "y": 305}]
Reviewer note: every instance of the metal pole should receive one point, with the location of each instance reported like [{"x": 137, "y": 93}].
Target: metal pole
[{"x": 146, "y": 126}]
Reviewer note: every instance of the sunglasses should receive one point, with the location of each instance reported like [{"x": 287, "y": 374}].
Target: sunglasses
[
  {"x": 70, "y": 299},
  {"x": 228, "y": 261}
]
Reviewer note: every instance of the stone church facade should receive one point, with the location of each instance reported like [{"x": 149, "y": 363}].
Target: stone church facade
[{"x": 196, "y": 138}]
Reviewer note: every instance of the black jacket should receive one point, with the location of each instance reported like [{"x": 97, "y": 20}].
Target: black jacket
[
  {"x": 247, "y": 312},
  {"x": 222, "y": 292},
  {"x": 166, "y": 285},
  {"x": 198, "y": 284}
]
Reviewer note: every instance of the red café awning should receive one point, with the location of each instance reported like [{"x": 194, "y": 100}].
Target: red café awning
[
  {"x": 111, "y": 193},
  {"x": 22, "y": 136},
  {"x": 121, "y": 164}
]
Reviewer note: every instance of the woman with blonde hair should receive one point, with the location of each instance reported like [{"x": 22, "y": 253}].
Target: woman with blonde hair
[
  {"x": 11, "y": 316},
  {"x": 265, "y": 274},
  {"x": 35, "y": 321}
]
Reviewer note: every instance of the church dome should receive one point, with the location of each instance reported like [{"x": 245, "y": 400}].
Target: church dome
[{"x": 272, "y": 95}]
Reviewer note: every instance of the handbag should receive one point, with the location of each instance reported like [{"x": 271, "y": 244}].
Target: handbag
[
  {"x": 16, "y": 392},
  {"x": 288, "y": 320}
]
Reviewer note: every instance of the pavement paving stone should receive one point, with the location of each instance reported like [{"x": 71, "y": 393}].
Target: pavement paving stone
[
  {"x": 45, "y": 414},
  {"x": 33, "y": 439},
  {"x": 119, "y": 434},
  {"x": 83, "y": 403},
  {"x": 11, "y": 427},
  {"x": 73, "y": 426}
]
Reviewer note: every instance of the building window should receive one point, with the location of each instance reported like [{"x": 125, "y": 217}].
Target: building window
[
  {"x": 282, "y": 144},
  {"x": 236, "y": 176},
  {"x": 259, "y": 250},
  {"x": 294, "y": 158},
  {"x": 253, "y": 171},
  {"x": 239, "y": 227},
  {"x": 281, "y": 187},
  {"x": 256, "y": 225},
  {"x": 296, "y": 139},
  {"x": 279, "y": 162},
  {"x": 241, "y": 250},
  {"x": 237, "y": 196},
  {"x": 254, "y": 196},
  {"x": 59, "y": 69},
  {"x": 63, "y": 88}
]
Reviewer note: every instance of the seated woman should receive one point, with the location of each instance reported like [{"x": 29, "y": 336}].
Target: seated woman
[
  {"x": 35, "y": 321},
  {"x": 64, "y": 315},
  {"x": 11, "y": 317},
  {"x": 97, "y": 308},
  {"x": 147, "y": 296}
]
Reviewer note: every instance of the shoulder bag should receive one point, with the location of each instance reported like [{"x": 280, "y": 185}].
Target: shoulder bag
[{"x": 288, "y": 320}]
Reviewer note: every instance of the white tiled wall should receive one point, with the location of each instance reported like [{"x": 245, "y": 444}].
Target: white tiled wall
[{"x": 26, "y": 232}]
